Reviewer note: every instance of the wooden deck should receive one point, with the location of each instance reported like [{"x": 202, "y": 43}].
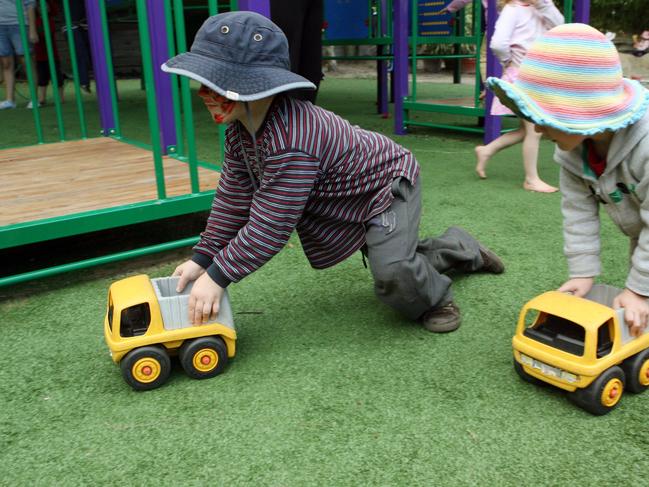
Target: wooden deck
[{"x": 51, "y": 180}]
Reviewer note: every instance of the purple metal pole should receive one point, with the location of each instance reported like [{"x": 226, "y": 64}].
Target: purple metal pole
[
  {"x": 99, "y": 66},
  {"x": 400, "y": 65},
  {"x": 162, "y": 81},
  {"x": 382, "y": 66},
  {"x": 582, "y": 11},
  {"x": 260, "y": 6},
  {"x": 492, "y": 123}
]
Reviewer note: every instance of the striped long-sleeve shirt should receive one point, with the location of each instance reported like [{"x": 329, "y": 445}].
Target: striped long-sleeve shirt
[{"x": 315, "y": 173}]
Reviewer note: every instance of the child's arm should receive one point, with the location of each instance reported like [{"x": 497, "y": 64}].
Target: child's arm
[
  {"x": 188, "y": 271},
  {"x": 636, "y": 310},
  {"x": 204, "y": 300},
  {"x": 636, "y": 293},
  {"x": 31, "y": 16},
  {"x": 579, "y": 286},
  {"x": 550, "y": 14},
  {"x": 501, "y": 40},
  {"x": 581, "y": 225},
  {"x": 455, "y": 5}
]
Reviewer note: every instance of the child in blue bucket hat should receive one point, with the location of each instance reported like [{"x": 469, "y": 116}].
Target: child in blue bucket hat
[
  {"x": 290, "y": 165},
  {"x": 570, "y": 86}
]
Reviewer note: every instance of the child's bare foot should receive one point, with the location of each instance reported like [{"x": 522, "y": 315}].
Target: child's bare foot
[
  {"x": 539, "y": 186},
  {"x": 482, "y": 156}
]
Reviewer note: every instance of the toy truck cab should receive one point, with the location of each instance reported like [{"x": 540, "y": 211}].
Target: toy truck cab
[
  {"x": 147, "y": 321},
  {"x": 581, "y": 345}
]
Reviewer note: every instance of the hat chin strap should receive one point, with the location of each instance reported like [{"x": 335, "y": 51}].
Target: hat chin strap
[{"x": 254, "y": 144}]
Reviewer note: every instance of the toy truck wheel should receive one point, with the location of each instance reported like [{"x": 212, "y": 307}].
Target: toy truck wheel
[
  {"x": 636, "y": 371},
  {"x": 204, "y": 357},
  {"x": 603, "y": 394},
  {"x": 146, "y": 368},
  {"x": 524, "y": 375}
]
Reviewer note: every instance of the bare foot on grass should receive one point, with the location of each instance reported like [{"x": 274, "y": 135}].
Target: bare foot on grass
[
  {"x": 539, "y": 187},
  {"x": 482, "y": 156}
]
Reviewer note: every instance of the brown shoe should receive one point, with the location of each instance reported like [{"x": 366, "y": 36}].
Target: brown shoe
[
  {"x": 491, "y": 262},
  {"x": 443, "y": 319}
]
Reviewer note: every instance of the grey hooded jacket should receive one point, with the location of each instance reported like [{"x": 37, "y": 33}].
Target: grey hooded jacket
[{"x": 622, "y": 190}]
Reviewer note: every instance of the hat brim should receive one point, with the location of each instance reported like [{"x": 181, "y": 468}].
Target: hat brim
[
  {"x": 526, "y": 108},
  {"x": 235, "y": 81}
]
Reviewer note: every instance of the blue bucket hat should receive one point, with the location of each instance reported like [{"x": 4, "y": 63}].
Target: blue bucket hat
[{"x": 240, "y": 55}]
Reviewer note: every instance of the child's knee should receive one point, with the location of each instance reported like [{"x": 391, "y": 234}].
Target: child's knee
[{"x": 7, "y": 62}]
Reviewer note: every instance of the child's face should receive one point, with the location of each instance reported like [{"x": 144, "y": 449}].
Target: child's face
[
  {"x": 565, "y": 141},
  {"x": 219, "y": 106}
]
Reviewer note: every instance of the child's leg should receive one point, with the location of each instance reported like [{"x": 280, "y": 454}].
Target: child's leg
[
  {"x": 403, "y": 278},
  {"x": 485, "y": 152},
  {"x": 456, "y": 249},
  {"x": 8, "y": 73},
  {"x": 530, "y": 158},
  {"x": 42, "y": 94},
  {"x": 43, "y": 75}
]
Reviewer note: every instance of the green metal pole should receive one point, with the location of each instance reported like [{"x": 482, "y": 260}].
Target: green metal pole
[
  {"x": 186, "y": 99},
  {"x": 147, "y": 70},
  {"x": 30, "y": 74},
  {"x": 104, "y": 259},
  {"x": 109, "y": 67},
  {"x": 75, "y": 68},
  {"x": 45, "y": 18},
  {"x": 213, "y": 9},
  {"x": 413, "y": 44},
  {"x": 175, "y": 96},
  {"x": 477, "y": 33},
  {"x": 568, "y": 11}
]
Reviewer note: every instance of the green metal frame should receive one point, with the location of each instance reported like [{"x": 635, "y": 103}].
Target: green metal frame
[
  {"x": 374, "y": 38},
  {"x": 411, "y": 102},
  {"x": 163, "y": 207}
]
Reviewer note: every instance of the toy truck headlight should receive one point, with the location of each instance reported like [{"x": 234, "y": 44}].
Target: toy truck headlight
[
  {"x": 548, "y": 370},
  {"x": 567, "y": 376},
  {"x": 527, "y": 360}
]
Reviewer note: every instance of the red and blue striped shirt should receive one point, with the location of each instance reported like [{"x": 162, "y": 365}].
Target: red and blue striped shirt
[{"x": 315, "y": 173}]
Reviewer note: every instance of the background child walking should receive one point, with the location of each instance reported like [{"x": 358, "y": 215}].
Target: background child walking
[
  {"x": 41, "y": 55},
  {"x": 571, "y": 87},
  {"x": 519, "y": 24}
]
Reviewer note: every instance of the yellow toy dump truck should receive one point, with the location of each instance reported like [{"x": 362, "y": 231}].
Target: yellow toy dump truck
[
  {"x": 147, "y": 321},
  {"x": 582, "y": 346}
]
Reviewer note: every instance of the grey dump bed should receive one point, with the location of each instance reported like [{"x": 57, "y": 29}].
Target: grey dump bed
[
  {"x": 605, "y": 294},
  {"x": 174, "y": 306}
]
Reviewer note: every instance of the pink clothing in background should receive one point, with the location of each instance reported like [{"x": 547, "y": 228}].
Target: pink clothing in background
[
  {"x": 456, "y": 5},
  {"x": 510, "y": 74},
  {"x": 518, "y": 25}
]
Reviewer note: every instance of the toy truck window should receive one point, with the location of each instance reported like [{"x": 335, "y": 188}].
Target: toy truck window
[
  {"x": 110, "y": 312},
  {"x": 556, "y": 332},
  {"x": 135, "y": 320},
  {"x": 604, "y": 342}
]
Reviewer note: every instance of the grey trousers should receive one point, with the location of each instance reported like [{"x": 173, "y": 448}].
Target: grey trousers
[{"x": 408, "y": 272}]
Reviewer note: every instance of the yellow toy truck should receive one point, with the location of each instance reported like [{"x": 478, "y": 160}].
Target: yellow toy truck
[
  {"x": 583, "y": 346},
  {"x": 147, "y": 321}
]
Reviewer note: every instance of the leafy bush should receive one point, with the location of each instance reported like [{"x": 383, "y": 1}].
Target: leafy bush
[{"x": 620, "y": 16}]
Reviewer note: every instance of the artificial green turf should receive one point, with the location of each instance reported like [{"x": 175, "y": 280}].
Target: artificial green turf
[{"x": 329, "y": 387}]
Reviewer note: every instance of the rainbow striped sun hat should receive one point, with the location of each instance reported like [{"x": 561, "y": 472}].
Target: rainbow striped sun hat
[{"x": 571, "y": 80}]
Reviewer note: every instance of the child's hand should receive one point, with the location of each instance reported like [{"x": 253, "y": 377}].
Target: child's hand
[
  {"x": 188, "y": 271},
  {"x": 636, "y": 310},
  {"x": 204, "y": 300},
  {"x": 579, "y": 286}
]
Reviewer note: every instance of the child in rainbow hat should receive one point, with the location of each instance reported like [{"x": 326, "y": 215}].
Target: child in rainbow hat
[{"x": 570, "y": 86}]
